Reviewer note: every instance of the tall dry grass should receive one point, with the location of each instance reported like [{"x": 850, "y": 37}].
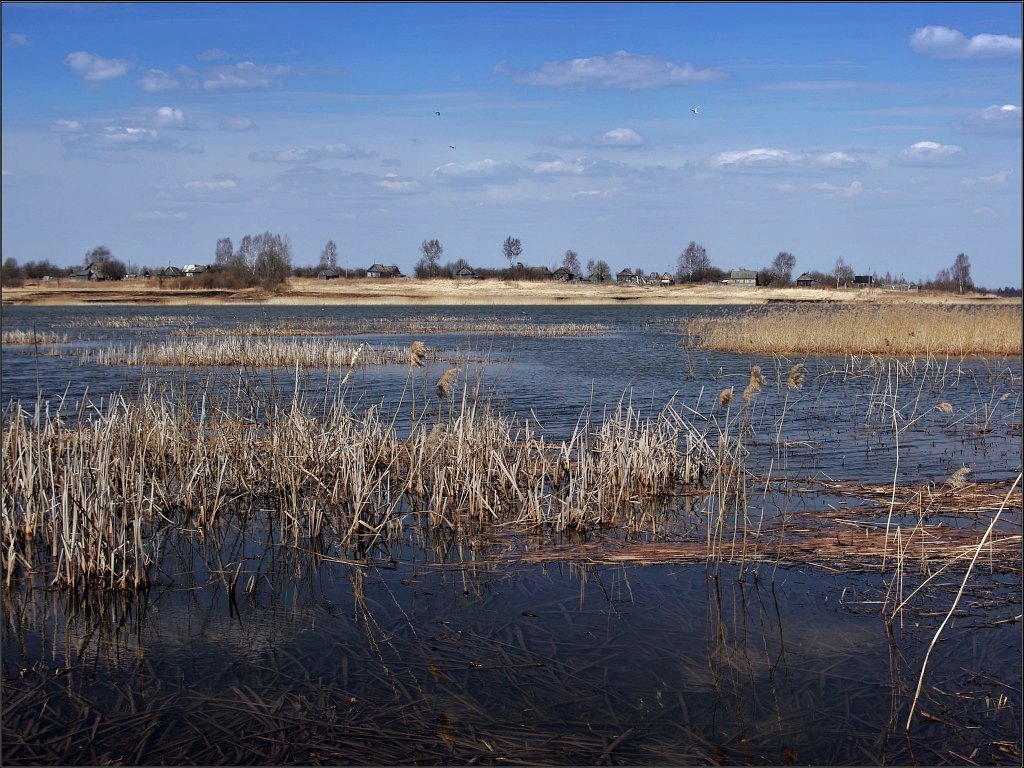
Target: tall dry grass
[
  {"x": 861, "y": 330},
  {"x": 33, "y": 337}
]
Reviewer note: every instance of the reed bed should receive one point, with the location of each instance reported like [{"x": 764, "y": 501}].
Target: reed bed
[
  {"x": 33, "y": 337},
  {"x": 123, "y": 322},
  {"x": 429, "y": 325},
  {"x": 92, "y": 498},
  {"x": 891, "y": 330},
  {"x": 242, "y": 351}
]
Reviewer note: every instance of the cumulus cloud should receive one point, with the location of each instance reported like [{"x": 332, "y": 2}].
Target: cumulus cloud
[
  {"x": 945, "y": 43},
  {"x": 213, "y": 54},
  {"x": 621, "y": 137},
  {"x": 66, "y": 126},
  {"x": 625, "y": 70},
  {"x": 997, "y": 120},
  {"x": 393, "y": 183},
  {"x": 157, "y": 81},
  {"x": 484, "y": 171},
  {"x": 244, "y": 75},
  {"x": 14, "y": 40},
  {"x": 836, "y": 160},
  {"x": 762, "y": 158},
  {"x": 340, "y": 151},
  {"x": 118, "y": 143},
  {"x": 96, "y": 69},
  {"x": 215, "y": 186},
  {"x": 832, "y": 191},
  {"x": 169, "y": 117},
  {"x": 581, "y": 166},
  {"x": 236, "y": 123},
  {"x": 995, "y": 181},
  {"x": 928, "y": 153}
]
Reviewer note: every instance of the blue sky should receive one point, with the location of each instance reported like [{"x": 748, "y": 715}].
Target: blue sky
[{"x": 886, "y": 134}]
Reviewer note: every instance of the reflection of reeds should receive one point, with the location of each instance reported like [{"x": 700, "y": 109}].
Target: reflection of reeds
[
  {"x": 102, "y": 492},
  {"x": 826, "y": 330}
]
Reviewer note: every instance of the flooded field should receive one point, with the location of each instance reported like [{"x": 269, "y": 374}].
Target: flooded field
[{"x": 487, "y": 535}]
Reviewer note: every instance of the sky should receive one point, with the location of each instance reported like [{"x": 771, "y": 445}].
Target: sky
[{"x": 885, "y": 134}]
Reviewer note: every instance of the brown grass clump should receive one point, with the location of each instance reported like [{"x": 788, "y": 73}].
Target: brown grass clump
[
  {"x": 944, "y": 407},
  {"x": 959, "y": 478},
  {"x": 33, "y": 337},
  {"x": 898, "y": 329}
]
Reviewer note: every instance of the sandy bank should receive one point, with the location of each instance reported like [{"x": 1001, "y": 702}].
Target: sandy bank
[{"x": 405, "y": 292}]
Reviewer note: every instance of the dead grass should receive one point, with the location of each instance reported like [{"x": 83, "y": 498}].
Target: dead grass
[{"x": 898, "y": 330}]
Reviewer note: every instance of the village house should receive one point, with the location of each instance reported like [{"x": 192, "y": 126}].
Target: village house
[
  {"x": 383, "y": 271},
  {"x": 86, "y": 273},
  {"x": 743, "y": 277},
  {"x": 328, "y": 274},
  {"x": 806, "y": 281},
  {"x": 562, "y": 274},
  {"x": 191, "y": 270},
  {"x": 467, "y": 273},
  {"x": 625, "y": 276},
  {"x": 667, "y": 279},
  {"x": 172, "y": 272},
  {"x": 863, "y": 281}
]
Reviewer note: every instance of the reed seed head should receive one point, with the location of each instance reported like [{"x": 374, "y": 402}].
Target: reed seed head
[
  {"x": 417, "y": 352},
  {"x": 446, "y": 382},
  {"x": 725, "y": 397},
  {"x": 944, "y": 407},
  {"x": 754, "y": 386},
  {"x": 796, "y": 377}
]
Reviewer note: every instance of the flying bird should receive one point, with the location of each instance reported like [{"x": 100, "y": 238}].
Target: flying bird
[
  {"x": 450, "y": 147},
  {"x": 438, "y": 114},
  {"x": 695, "y": 109}
]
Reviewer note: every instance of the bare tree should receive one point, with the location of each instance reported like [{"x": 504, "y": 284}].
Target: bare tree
[
  {"x": 842, "y": 272},
  {"x": 590, "y": 267},
  {"x": 429, "y": 263},
  {"x": 105, "y": 264},
  {"x": 272, "y": 262},
  {"x": 245, "y": 256},
  {"x": 572, "y": 262},
  {"x": 782, "y": 267},
  {"x": 693, "y": 264},
  {"x": 602, "y": 271},
  {"x": 961, "y": 272},
  {"x": 512, "y": 248},
  {"x": 224, "y": 252},
  {"x": 329, "y": 256}
]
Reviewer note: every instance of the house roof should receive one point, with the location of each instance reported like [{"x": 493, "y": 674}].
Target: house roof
[
  {"x": 805, "y": 276},
  {"x": 384, "y": 268},
  {"x": 743, "y": 274},
  {"x": 626, "y": 271}
]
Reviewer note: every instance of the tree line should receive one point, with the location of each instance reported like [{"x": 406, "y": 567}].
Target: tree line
[{"x": 265, "y": 259}]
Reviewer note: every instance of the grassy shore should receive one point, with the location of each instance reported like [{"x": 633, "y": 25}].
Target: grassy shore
[{"x": 444, "y": 292}]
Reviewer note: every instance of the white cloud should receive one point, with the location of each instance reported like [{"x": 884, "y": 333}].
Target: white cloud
[
  {"x": 120, "y": 134},
  {"x": 160, "y": 216},
  {"x": 484, "y": 171},
  {"x": 96, "y": 69},
  {"x": 66, "y": 126},
  {"x": 832, "y": 191},
  {"x": 339, "y": 151},
  {"x": 930, "y": 153},
  {"x": 620, "y": 70},
  {"x": 581, "y": 166},
  {"x": 755, "y": 159},
  {"x": 994, "y": 181},
  {"x": 945, "y": 43},
  {"x": 997, "y": 119},
  {"x": 14, "y": 40},
  {"x": 621, "y": 137},
  {"x": 157, "y": 81},
  {"x": 393, "y": 183},
  {"x": 213, "y": 54},
  {"x": 237, "y": 123},
  {"x": 243, "y": 75},
  {"x": 220, "y": 185},
  {"x": 836, "y": 160},
  {"x": 169, "y": 117}
]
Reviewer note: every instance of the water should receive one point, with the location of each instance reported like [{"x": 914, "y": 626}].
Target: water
[{"x": 454, "y": 652}]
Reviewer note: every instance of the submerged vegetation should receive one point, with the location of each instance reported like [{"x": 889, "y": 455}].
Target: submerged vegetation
[{"x": 875, "y": 329}]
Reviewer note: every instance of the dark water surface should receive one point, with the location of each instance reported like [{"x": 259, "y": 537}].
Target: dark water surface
[{"x": 451, "y": 652}]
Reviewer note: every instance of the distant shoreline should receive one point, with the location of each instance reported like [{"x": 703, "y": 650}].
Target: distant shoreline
[{"x": 405, "y": 292}]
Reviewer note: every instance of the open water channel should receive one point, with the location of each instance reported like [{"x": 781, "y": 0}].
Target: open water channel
[{"x": 456, "y": 652}]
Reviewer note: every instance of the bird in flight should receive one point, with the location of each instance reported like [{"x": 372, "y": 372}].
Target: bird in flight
[
  {"x": 695, "y": 109},
  {"x": 450, "y": 147},
  {"x": 438, "y": 114}
]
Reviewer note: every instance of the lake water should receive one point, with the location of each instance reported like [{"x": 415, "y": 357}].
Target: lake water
[{"x": 453, "y": 652}]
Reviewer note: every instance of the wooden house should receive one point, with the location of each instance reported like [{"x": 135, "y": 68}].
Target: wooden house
[
  {"x": 333, "y": 273},
  {"x": 85, "y": 273},
  {"x": 806, "y": 281},
  {"x": 863, "y": 281},
  {"x": 743, "y": 277},
  {"x": 562, "y": 274},
  {"x": 625, "y": 276},
  {"x": 467, "y": 273},
  {"x": 383, "y": 271}
]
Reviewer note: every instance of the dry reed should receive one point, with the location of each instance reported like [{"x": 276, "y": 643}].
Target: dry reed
[
  {"x": 33, "y": 337},
  {"x": 880, "y": 330}
]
